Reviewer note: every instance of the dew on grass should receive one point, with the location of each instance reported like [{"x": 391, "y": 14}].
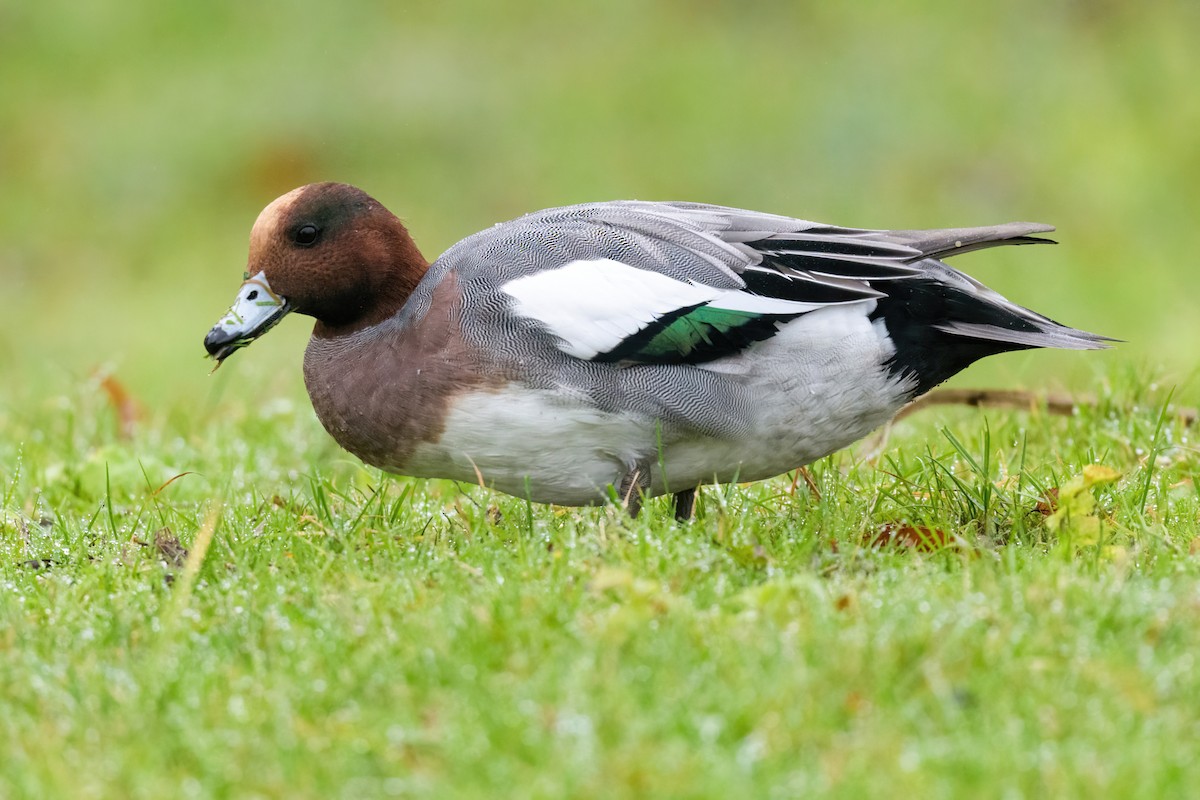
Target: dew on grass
[
  {"x": 910, "y": 758},
  {"x": 574, "y": 724},
  {"x": 709, "y": 727},
  {"x": 751, "y": 750}
]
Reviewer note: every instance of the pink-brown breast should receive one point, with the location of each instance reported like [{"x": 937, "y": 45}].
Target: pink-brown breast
[{"x": 381, "y": 391}]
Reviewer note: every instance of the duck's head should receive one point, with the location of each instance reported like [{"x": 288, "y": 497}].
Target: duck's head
[{"x": 327, "y": 250}]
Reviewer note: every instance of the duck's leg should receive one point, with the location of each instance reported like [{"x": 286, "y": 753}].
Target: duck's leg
[
  {"x": 633, "y": 486},
  {"x": 685, "y": 504}
]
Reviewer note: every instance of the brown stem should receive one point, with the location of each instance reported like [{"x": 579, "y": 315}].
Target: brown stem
[{"x": 1054, "y": 402}]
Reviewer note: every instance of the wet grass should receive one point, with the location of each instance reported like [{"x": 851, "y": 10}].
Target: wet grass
[
  {"x": 999, "y": 603},
  {"x": 348, "y": 634}
]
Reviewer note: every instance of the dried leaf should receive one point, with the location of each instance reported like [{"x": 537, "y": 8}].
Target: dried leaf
[
  {"x": 1098, "y": 474},
  {"x": 171, "y": 480},
  {"x": 916, "y": 537},
  {"x": 1048, "y": 502},
  {"x": 127, "y": 409},
  {"x": 1075, "y": 518}
]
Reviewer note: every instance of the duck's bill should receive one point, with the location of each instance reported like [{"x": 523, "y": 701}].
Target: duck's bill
[{"x": 255, "y": 311}]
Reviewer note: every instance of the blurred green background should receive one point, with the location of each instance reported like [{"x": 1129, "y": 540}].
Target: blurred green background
[{"x": 139, "y": 140}]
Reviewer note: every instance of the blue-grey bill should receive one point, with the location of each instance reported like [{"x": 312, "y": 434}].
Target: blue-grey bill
[{"x": 255, "y": 310}]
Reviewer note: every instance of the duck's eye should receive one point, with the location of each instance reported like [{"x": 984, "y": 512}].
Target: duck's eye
[
  {"x": 307, "y": 235},
  {"x": 253, "y": 295}
]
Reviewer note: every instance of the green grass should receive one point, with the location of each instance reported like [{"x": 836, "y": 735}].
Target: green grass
[
  {"x": 354, "y": 635},
  {"x": 350, "y": 635}
]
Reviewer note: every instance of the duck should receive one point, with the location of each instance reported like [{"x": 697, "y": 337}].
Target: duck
[{"x": 621, "y": 350}]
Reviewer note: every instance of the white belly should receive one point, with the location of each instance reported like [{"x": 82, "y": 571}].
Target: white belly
[
  {"x": 533, "y": 443},
  {"x": 817, "y": 386}
]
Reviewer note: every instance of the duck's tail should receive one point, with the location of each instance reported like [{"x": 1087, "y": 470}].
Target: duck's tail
[{"x": 944, "y": 320}]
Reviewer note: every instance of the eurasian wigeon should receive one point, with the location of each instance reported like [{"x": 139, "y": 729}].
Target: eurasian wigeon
[{"x": 637, "y": 347}]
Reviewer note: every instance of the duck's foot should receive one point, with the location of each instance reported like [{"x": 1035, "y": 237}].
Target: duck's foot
[
  {"x": 685, "y": 504},
  {"x": 633, "y": 489},
  {"x": 633, "y": 486}
]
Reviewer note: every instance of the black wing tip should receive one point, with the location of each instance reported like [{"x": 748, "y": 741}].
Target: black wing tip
[
  {"x": 959, "y": 248},
  {"x": 1086, "y": 340},
  {"x": 1105, "y": 342},
  {"x": 1028, "y": 332},
  {"x": 948, "y": 242},
  {"x": 1030, "y": 240}
]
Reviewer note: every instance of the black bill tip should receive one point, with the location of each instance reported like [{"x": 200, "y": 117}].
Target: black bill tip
[{"x": 221, "y": 342}]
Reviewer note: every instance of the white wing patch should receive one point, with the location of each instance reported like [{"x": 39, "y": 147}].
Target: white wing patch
[{"x": 594, "y": 305}]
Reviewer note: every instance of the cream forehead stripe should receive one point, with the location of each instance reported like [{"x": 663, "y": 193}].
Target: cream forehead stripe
[{"x": 269, "y": 217}]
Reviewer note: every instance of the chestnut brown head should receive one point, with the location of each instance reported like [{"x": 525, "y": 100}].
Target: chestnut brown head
[{"x": 327, "y": 250}]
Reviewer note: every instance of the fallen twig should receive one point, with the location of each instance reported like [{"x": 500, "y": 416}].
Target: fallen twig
[{"x": 1057, "y": 403}]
